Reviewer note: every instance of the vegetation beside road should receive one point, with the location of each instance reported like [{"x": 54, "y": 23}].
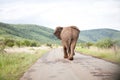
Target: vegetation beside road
[
  {"x": 105, "y": 49},
  {"x": 13, "y": 65},
  {"x": 107, "y": 54}
]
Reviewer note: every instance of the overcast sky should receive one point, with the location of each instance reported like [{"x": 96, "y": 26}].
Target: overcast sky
[{"x": 85, "y": 14}]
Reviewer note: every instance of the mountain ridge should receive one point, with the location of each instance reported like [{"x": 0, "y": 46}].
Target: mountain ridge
[
  {"x": 27, "y": 31},
  {"x": 45, "y": 34},
  {"x": 96, "y": 34}
]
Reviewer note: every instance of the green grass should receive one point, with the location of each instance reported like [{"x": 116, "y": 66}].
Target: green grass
[
  {"x": 106, "y": 54},
  {"x": 12, "y": 66}
]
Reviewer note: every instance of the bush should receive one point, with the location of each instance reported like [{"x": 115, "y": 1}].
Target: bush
[
  {"x": 49, "y": 45},
  {"x": 88, "y": 44},
  {"x": 9, "y": 42},
  {"x": 25, "y": 43},
  {"x": 106, "y": 43},
  {"x": 18, "y": 43},
  {"x": 33, "y": 44},
  {"x": 85, "y": 45}
]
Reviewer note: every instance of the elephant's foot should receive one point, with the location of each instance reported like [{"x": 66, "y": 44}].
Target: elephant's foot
[
  {"x": 65, "y": 56},
  {"x": 70, "y": 58}
]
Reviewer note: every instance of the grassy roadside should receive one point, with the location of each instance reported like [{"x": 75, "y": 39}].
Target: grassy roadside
[
  {"x": 12, "y": 66},
  {"x": 106, "y": 54}
]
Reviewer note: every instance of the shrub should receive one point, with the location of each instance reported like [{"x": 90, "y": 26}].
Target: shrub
[
  {"x": 88, "y": 44},
  {"x": 25, "y": 43},
  {"x": 85, "y": 45},
  {"x": 33, "y": 44},
  {"x": 49, "y": 45},
  {"x": 106, "y": 43},
  {"x": 18, "y": 43},
  {"x": 9, "y": 42}
]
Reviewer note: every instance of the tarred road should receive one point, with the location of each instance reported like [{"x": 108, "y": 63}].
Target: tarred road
[{"x": 52, "y": 66}]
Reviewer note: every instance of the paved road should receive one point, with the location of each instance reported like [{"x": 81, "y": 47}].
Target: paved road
[{"x": 52, "y": 66}]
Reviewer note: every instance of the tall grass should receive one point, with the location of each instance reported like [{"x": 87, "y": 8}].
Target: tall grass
[
  {"x": 12, "y": 66},
  {"x": 109, "y": 54}
]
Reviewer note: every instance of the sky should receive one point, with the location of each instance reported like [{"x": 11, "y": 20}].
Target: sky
[{"x": 85, "y": 14}]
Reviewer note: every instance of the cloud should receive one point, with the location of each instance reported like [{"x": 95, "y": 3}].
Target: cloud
[
  {"x": 88, "y": 14},
  {"x": 22, "y": 10}
]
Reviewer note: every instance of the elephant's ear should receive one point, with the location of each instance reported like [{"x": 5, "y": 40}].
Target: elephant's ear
[{"x": 58, "y": 32}]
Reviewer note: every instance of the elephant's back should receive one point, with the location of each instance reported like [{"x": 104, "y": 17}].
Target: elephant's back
[{"x": 69, "y": 32}]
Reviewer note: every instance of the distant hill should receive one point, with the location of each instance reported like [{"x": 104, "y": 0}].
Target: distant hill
[
  {"x": 45, "y": 35},
  {"x": 98, "y": 34},
  {"x": 27, "y": 31}
]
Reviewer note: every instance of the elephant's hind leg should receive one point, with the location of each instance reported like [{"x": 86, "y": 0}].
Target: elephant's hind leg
[
  {"x": 65, "y": 52},
  {"x": 72, "y": 47}
]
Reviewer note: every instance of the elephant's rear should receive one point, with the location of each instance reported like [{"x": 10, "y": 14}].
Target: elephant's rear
[
  {"x": 69, "y": 34},
  {"x": 75, "y": 32}
]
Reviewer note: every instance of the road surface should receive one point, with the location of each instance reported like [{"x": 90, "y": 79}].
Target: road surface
[{"x": 52, "y": 66}]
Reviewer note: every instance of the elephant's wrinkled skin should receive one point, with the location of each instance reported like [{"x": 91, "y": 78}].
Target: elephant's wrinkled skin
[{"x": 68, "y": 36}]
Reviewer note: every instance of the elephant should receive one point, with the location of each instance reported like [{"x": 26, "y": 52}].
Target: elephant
[{"x": 68, "y": 36}]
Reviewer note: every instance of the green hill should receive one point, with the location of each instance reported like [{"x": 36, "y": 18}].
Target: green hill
[
  {"x": 98, "y": 34},
  {"x": 45, "y": 35},
  {"x": 27, "y": 31}
]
